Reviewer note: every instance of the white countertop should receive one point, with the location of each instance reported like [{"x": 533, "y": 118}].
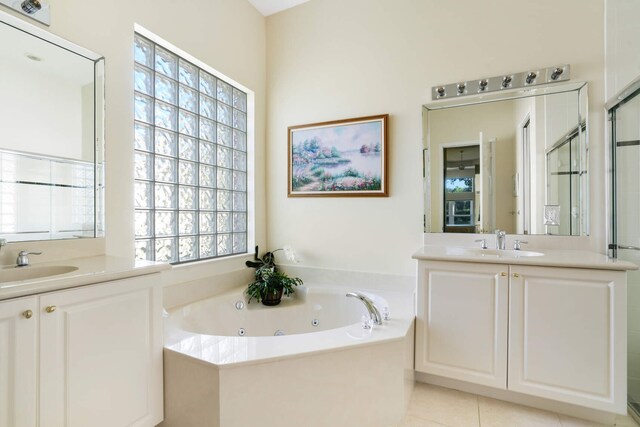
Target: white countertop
[
  {"x": 90, "y": 270},
  {"x": 549, "y": 257}
]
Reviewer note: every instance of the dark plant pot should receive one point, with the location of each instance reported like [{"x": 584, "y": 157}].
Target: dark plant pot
[{"x": 272, "y": 299}]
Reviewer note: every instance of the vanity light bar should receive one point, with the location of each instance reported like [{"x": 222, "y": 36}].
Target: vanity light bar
[{"x": 508, "y": 81}]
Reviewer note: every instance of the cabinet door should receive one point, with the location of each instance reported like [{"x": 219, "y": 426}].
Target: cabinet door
[
  {"x": 461, "y": 329},
  {"x": 101, "y": 355},
  {"x": 18, "y": 355},
  {"x": 567, "y": 335}
]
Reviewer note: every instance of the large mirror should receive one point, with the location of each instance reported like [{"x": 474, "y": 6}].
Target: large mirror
[
  {"x": 51, "y": 146},
  {"x": 513, "y": 161}
]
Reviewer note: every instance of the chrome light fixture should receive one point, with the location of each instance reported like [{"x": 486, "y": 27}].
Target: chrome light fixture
[
  {"x": 31, "y": 6},
  {"x": 35, "y": 9},
  {"x": 520, "y": 80}
]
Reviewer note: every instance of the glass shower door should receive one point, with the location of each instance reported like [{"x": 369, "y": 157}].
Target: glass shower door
[{"x": 626, "y": 224}]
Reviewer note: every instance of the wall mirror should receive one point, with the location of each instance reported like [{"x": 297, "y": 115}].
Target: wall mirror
[
  {"x": 513, "y": 161},
  {"x": 51, "y": 148}
]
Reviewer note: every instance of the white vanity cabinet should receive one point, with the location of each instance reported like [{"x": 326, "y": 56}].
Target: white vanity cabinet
[
  {"x": 98, "y": 354},
  {"x": 461, "y": 328},
  {"x": 556, "y": 333},
  {"x": 18, "y": 362},
  {"x": 567, "y": 335}
]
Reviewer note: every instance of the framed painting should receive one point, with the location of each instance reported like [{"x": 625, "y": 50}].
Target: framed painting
[{"x": 342, "y": 158}]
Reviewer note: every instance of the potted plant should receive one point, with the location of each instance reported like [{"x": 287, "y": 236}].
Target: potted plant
[{"x": 270, "y": 283}]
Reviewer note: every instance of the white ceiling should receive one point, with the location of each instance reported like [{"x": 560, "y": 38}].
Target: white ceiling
[{"x": 269, "y": 7}]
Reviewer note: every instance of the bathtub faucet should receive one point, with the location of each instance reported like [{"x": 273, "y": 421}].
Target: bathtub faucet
[{"x": 371, "y": 307}]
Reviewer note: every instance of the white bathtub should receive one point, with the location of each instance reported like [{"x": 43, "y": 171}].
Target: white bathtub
[
  {"x": 224, "y": 366},
  {"x": 308, "y": 310}
]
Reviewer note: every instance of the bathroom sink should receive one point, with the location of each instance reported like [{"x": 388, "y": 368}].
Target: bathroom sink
[
  {"x": 503, "y": 253},
  {"x": 15, "y": 274}
]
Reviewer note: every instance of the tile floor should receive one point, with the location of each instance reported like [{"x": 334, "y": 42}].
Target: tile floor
[{"x": 433, "y": 406}]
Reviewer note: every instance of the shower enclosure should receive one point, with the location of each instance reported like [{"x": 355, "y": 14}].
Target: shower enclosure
[
  {"x": 566, "y": 181},
  {"x": 624, "y": 113}
]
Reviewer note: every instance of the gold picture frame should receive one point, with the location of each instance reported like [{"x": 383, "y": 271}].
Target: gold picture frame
[{"x": 340, "y": 158}]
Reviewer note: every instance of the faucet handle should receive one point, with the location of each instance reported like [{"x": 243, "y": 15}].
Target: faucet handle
[
  {"x": 484, "y": 243},
  {"x": 23, "y": 258},
  {"x": 25, "y": 253},
  {"x": 517, "y": 243}
]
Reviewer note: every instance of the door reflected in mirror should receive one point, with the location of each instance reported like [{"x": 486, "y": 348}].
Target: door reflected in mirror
[
  {"x": 461, "y": 170},
  {"x": 505, "y": 162}
]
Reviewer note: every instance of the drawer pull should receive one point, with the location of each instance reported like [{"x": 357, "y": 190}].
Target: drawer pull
[
  {"x": 516, "y": 275},
  {"x": 27, "y": 314},
  {"x": 503, "y": 274},
  {"x": 50, "y": 309}
]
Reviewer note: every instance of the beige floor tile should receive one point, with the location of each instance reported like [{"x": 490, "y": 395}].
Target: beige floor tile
[
  {"x": 445, "y": 406},
  {"x": 496, "y": 413},
  {"x": 410, "y": 421},
  {"x": 567, "y": 421},
  {"x": 627, "y": 421}
]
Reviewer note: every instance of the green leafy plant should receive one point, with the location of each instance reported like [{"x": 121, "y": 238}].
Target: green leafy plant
[{"x": 269, "y": 280}]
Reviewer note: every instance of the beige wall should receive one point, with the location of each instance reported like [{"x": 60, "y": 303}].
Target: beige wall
[
  {"x": 333, "y": 59},
  {"x": 228, "y": 35},
  {"x": 622, "y": 44}
]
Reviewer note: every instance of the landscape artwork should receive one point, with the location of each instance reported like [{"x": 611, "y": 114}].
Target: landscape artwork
[{"x": 339, "y": 158}]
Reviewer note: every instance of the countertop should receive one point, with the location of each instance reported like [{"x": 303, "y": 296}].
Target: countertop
[
  {"x": 549, "y": 257},
  {"x": 90, "y": 270}
]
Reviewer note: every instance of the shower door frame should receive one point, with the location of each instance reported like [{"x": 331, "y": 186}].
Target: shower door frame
[{"x": 627, "y": 94}]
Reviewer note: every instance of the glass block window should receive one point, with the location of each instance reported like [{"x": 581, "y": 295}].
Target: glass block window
[{"x": 190, "y": 159}]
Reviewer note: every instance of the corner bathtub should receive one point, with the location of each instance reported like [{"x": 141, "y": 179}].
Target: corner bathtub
[{"x": 307, "y": 361}]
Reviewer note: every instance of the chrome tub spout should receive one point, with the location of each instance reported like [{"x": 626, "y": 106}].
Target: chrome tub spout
[{"x": 371, "y": 307}]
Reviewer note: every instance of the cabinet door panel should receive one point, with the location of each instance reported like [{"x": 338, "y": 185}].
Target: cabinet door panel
[
  {"x": 18, "y": 355},
  {"x": 462, "y": 322},
  {"x": 102, "y": 355},
  {"x": 564, "y": 330}
]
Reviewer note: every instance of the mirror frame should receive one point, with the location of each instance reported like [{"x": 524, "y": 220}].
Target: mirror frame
[
  {"x": 580, "y": 87},
  {"x": 99, "y": 114}
]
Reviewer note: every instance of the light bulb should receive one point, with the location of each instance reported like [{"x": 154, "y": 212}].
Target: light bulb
[{"x": 31, "y": 7}]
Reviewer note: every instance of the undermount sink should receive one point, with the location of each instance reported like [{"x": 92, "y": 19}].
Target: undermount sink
[
  {"x": 503, "y": 253},
  {"x": 16, "y": 274}
]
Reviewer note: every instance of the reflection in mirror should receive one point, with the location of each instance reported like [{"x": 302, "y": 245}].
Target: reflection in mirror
[
  {"x": 515, "y": 161},
  {"x": 51, "y": 116}
]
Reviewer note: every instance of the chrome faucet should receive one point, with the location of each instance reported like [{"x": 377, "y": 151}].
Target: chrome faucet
[
  {"x": 371, "y": 307},
  {"x": 23, "y": 258},
  {"x": 501, "y": 240}
]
